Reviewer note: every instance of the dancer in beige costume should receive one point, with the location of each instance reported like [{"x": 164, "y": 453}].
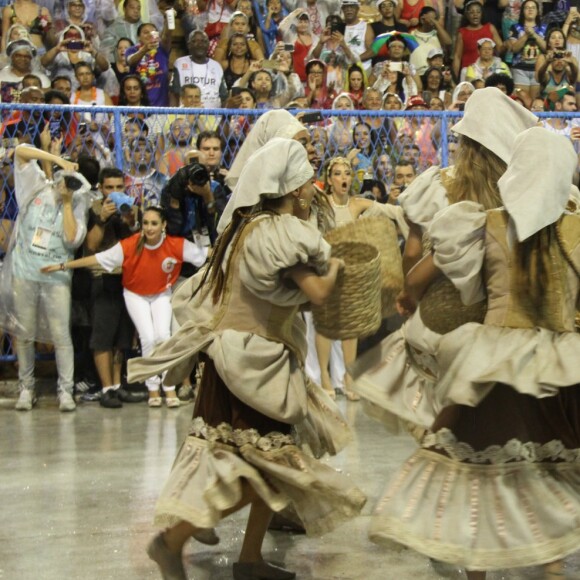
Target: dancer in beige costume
[
  {"x": 397, "y": 384},
  {"x": 496, "y": 484},
  {"x": 254, "y": 400}
]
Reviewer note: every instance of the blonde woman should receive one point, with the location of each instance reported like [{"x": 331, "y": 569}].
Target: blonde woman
[{"x": 347, "y": 208}]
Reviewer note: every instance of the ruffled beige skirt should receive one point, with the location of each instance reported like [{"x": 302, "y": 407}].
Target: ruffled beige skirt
[
  {"x": 396, "y": 378},
  {"x": 230, "y": 443},
  {"x": 481, "y": 517},
  {"x": 495, "y": 486}
]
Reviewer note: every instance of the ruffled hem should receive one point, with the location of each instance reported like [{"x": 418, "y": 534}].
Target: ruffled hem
[
  {"x": 324, "y": 430},
  {"x": 207, "y": 479},
  {"x": 535, "y": 362},
  {"x": 392, "y": 377},
  {"x": 482, "y": 517}
]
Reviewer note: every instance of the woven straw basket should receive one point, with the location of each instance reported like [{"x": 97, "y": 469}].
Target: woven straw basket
[
  {"x": 442, "y": 310},
  {"x": 381, "y": 233},
  {"x": 353, "y": 309}
]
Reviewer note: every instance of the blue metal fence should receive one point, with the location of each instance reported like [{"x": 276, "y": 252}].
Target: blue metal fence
[{"x": 110, "y": 135}]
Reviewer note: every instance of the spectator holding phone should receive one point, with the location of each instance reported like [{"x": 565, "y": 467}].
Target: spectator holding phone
[
  {"x": 557, "y": 68},
  {"x": 287, "y": 84},
  {"x": 526, "y": 42},
  {"x": 62, "y": 125},
  {"x": 237, "y": 60},
  {"x": 71, "y": 49},
  {"x": 296, "y": 30},
  {"x": 150, "y": 60},
  {"x": 571, "y": 31},
  {"x": 333, "y": 50}
]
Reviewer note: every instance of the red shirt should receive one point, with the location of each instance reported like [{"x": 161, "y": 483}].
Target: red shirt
[{"x": 151, "y": 271}]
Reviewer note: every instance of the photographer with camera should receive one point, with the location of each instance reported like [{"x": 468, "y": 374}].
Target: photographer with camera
[
  {"x": 111, "y": 219},
  {"x": 51, "y": 224},
  {"x": 558, "y": 68},
  {"x": 196, "y": 195}
]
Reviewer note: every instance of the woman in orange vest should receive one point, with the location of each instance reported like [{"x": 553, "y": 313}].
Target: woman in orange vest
[{"x": 151, "y": 263}]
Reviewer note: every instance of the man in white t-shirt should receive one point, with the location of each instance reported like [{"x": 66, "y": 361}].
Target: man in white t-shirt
[
  {"x": 198, "y": 69},
  {"x": 355, "y": 34}
]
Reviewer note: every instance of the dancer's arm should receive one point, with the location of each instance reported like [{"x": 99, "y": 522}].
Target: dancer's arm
[
  {"x": 420, "y": 277},
  {"x": 317, "y": 288}
]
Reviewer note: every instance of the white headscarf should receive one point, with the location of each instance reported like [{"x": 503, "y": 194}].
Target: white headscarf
[
  {"x": 494, "y": 120},
  {"x": 274, "y": 170},
  {"x": 277, "y": 123},
  {"x": 538, "y": 182}
]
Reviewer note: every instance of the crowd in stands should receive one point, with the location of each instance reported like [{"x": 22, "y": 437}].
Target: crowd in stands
[
  {"x": 351, "y": 58},
  {"x": 263, "y": 54}
]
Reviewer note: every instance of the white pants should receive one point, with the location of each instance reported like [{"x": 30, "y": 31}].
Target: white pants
[
  {"x": 151, "y": 316},
  {"x": 312, "y": 368}
]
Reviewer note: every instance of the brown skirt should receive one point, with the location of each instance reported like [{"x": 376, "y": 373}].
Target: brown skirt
[{"x": 215, "y": 404}]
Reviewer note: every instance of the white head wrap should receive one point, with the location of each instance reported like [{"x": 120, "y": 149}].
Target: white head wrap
[
  {"x": 277, "y": 123},
  {"x": 274, "y": 170},
  {"x": 494, "y": 120},
  {"x": 538, "y": 182},
  {"x": 74, "y": 27}
]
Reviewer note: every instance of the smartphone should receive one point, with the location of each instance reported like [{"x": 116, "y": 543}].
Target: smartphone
[
  {"x": 54, "y": 128},
  {"x": 396, "y": 66},
  {"x": 311, "y": 117},
  {"x": 427, "y": 96},
  {"x": 83, "y": 129},
  {"x": 236, "y": 91},
  {"x": 270, "y": 64},
  {"x": 288, "y": 48},
  {"x": 75, "y": 45},
  {"x": 338, "y": 27}
]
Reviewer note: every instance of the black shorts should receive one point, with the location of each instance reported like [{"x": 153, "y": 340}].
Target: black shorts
[{"x": 112, "y": 325}]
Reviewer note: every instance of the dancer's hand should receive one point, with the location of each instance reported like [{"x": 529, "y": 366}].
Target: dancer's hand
[{"x": 405, "y": 304}]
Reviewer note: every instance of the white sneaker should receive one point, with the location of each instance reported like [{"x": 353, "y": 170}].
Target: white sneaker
[
  {"x": 66, "y": 402},
  {"x": 26, "y": 400}
]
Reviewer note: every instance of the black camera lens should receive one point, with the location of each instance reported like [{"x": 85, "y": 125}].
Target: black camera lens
[
  {"x": 124, "y": 208},
  {"x": 72, "y": 183},
  {"x": 197, "y": 174}
]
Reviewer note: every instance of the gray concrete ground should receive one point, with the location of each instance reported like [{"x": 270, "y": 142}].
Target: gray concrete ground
[{"x": 78, "y": 491}]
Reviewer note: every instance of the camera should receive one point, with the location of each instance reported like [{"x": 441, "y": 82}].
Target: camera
[
  {"x": 196, "y": 173},
  {"x": 122, "y": 201},
  {"x": 559, "y": 54},
  {"x": 72, "y": 183}
]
